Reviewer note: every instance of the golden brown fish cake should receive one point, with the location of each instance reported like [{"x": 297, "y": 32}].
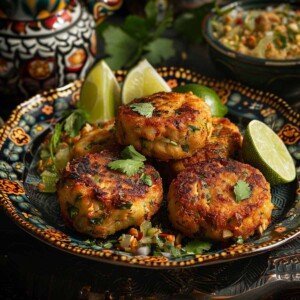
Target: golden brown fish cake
[
  {"x": 95, "y": 139},
  {"x": 179, "y": 126},
  {"x": 225, "y": 142},
  {"x": 201, "y": 201},
  {"x": 98, "y": 201}
]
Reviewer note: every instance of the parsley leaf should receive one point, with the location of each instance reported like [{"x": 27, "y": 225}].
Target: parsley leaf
[
  {"x": 242, "y": 191},
  {"x": 197, "y": 247},
  {"x": 126, "y": 166},
  {"x": 146, "y": 179},
  {"x": 144, "y": 109},
  {"x": 193, "y": 128},
  {"x": 74, "y": 122},
  {"x": 130, "y": 153}
]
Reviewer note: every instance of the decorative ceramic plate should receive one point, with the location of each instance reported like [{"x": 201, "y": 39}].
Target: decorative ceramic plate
[{"x": 39, "y": 214}]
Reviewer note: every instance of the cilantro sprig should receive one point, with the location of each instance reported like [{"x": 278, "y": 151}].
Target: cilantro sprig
[
  {"x": 144, "y": 109},
  {"x": 242, "y": 191},
  {"x": 138, "y": 37},
  {"x": 131, "y": 163}
]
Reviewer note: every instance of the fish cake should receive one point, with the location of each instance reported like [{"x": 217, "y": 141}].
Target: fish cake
[
  {"x": 98, "y": 201},
  {"x": 179, "y": 126},
  {"x": 201, "y": 201},
  {"x": 225, "y": 142}
]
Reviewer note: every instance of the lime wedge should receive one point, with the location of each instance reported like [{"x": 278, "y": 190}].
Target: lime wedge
[
  {"x": 217, "y": 108},
  {"x": 263, "y": 149},
  {"x": 141, "y": 81},
  {"x": 100, "y": 94}
]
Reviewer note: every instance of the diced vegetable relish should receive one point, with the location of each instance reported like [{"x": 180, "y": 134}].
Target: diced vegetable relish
[{"x": 272, "y": 33}]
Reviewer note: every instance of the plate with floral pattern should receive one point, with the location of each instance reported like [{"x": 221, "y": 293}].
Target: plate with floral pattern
[{"x": 39, "y": 214}]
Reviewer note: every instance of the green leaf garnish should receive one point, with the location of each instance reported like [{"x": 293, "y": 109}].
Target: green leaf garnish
[
  {"x": 130, "y": 153},
  {"x": 74, "y": 122},
  {"x": 138, "y": 37},
  {"x": 144, "y": 109},
  {"x": 193, "y": 128},
  {"x": 97, "y": 221},
  {"x": 126, "y": 166},
  {"x": 240, "y": 240},
  {"x": 185, "y": 148},
  {"x": 242, "y": 191},
  {"x": 146, "y": 179},
  {"x": 124, "y": 205},
  {"x": 72, "y": 211},
  {"x": 197, "y": 247},
  {"x": 55, "y": 139}
]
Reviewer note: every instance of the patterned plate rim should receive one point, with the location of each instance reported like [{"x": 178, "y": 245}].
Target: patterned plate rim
[{"x": 231, "y": 253}]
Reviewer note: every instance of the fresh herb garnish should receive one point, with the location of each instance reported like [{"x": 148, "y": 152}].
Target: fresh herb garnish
[
  {"x": 185, "y": 148},
  {"x": 55, "y": 139},
  {"x": 197, "y": 247},
  {"x": 144, "y": 109},
  {"x": 138, "y": 37},
  {"x": 132, "y": 163},
  {"x": 124, "y": 205},
  {"x": 280, "y": 40},
  {"x": 97, "y": 221},
  {"x": 126, "y": 166},
  {"x": 193, "y": 128},
  {"x": 72, "y": 211},
  {"x": 74, "y": 122},
  {"x": 240, "y": 240},
  {"x": 242, "y": 191},
  {"x": 146, "y": 179},
  {"x": 130, "y": 153}
]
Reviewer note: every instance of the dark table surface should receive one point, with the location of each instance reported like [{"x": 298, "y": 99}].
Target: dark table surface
[{"x": 30, "y": 269}]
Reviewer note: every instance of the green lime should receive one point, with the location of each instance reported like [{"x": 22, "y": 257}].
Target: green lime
[
  {"x": 263, "y": 149},
  {"x": 141, "y": 81},
  {"x": 100, "y": 94},
  {"x": 218, "y": 109}
]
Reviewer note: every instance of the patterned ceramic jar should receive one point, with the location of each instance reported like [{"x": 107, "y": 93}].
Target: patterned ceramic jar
[{"x": 46, "y": 43}]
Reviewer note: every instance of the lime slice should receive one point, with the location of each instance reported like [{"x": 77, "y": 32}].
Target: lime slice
[
  {"x": 100, "y": 94},
  {"x": 263, "y": 149},
  {"x": 218, "y": 109},
  {"x": 141, "y": 81}
]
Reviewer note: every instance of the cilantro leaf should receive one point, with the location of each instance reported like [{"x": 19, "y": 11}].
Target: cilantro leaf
[
  {"x": 131, "y": 24},
  {"x": 55, "y": 138},
  {"x": 197, "y": 247},
  {"x": 144, "y": 109},
  {"x": 130, "y": 153},
  {"x": 242, "y": 191},
  {"x": 74, "y": 122},
  {"x": 193, "y": 128},
  {"x": 121, "y": 47},
  {"x": 159, "y": 50},
  {"x": 146, "y": 179},
  {"x": 126, "y": 166}
]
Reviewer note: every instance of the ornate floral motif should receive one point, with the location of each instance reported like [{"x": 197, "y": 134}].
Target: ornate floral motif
[
  {"x": 290, "y": 134},
  {"x": 47, "y": 110},
  {"x": 11, "y": 187},
  {"x": 19, "y": 136}
]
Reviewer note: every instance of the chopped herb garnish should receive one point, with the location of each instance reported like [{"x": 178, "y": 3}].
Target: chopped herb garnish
[
  {"x": 175, "y": 252},
  {"x": 130, "y": 153},
  {"x": 197, "y": 247},
  {"x": 74, "y": 122},
  {"x": 146, "y": 179},
  {"x": 144, "y": 109},
  {"x": 124, "y": 205},
  {"x": 193, "y": 128},
  {"x": 126, "y": 166},
  {"x": 55, "y": 139},
  {"x": 97, "y": 221},
  {"x": 72, "y": 211},
  {"x": 242, "y": 191},
  {"x": 240, "y": 240},
  {"x": 185, "y": 148}
]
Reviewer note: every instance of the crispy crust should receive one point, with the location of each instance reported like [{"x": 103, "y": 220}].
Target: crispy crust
[
  {"x": 225, "y": 142},
  {"x": 201, "y": 201},
  {"x": 114, "y": 199},
  {"x": 167, "y": 134}
]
